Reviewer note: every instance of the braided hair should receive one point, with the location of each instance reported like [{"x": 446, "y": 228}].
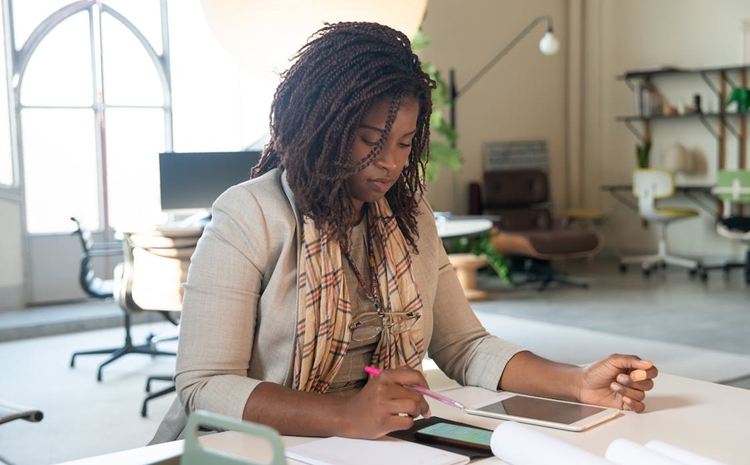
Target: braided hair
[{"x": 336, "y": 77}]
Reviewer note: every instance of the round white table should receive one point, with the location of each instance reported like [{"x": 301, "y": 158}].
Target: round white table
[{"x": 465, "y": 264}]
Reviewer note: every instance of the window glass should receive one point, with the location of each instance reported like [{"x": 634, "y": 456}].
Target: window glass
[
  {"x": 130, "y": 77},
  {"x": 60, "y": 168},
  {"x": 27, "y": 15},
  {"x": 65, "y": 54},
  {"x": 135, "y": 136},
  {"x": 145, "y": 15},
  {"x": 6, "y": 156}
]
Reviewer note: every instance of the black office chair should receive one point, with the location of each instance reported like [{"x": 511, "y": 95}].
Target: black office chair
[
  {"x": 101, "y": 288},
  {"x": 10, "y": 412},
  {"x": 92, "y": 284}
]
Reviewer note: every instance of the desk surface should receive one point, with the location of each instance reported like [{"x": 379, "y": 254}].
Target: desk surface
[
  {"x": 706, "y": 418},
  {"x": 462, "y": 227}
]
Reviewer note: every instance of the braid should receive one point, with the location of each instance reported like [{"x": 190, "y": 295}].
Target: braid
[{"x": 335, "y": 79}]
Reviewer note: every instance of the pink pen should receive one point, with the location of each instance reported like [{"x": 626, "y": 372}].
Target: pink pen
[{"x": 375, "y": 372}]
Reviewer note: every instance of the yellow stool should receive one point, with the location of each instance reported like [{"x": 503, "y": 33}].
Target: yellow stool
[{"x": 466, "y": 265}]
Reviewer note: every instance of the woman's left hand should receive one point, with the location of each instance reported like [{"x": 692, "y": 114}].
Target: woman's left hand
[{"x": 618, "y": 381}]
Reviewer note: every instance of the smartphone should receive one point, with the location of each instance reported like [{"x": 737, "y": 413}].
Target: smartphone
[
  {"x": 570, "y": 416},
  {"x": 464, "y": 436}
]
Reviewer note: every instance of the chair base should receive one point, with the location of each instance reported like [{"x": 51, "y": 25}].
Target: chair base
[
  {"x": 162, "y": 392},
  {"x": 727, "y": 267},
  {"x": 541, "y": 272},
  {"x": 660, "y": 260},
  {"x": 118, "y": 352}
]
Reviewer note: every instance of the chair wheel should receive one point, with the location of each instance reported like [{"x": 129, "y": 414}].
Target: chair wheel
[
  {"x": 692, "y": 272},
  {"x": 704, "y": 275},
  {"x": 664, "y": 265},
  {"x": 623, "y": 268},
  {"x": 646, "y": 272}
]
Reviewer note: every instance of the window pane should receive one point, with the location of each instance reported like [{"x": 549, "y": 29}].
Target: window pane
[
  {"x": 6, "y": 157},
  {"x": 145, "y": 15},
  {"x": 134, "y": 139},
  {"x": 130, "y": 77},
  {"x": 27, "y": 16},
  {"x": 59, "y": 72},
  {"x": 60, "y": 168}
]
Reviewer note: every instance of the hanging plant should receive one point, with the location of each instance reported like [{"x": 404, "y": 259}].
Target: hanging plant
[{"x": 443, "y": 152}]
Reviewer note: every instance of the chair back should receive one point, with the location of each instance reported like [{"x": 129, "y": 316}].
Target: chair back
[
  {"x": 733, "y": 186},
  {"x": 649, "y": 185},
  {"x": 519, "y": 197},
  {"x": 154, "y": 270},
  {"x": 92, "y": 284}
]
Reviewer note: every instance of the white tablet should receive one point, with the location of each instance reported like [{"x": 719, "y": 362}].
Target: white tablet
[{"x": 540, "y": 411}]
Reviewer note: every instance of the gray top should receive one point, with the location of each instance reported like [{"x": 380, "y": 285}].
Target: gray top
[{"x": 240, "y": 306}]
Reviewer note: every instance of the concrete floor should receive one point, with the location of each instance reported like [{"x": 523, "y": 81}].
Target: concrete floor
[{"x": 669, "y": 306}]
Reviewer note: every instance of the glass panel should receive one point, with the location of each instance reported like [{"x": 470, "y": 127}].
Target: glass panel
[
  {"x": 28, "y": 14},
  {"x": 145, "y": 15},
  {"x": 60, "y": 168},
  {"x": 130, "y": 77},
  {"x": 135, "y": 137},
  {"x": 59, "y": 71},
  {"x": 6, "y": 157}
]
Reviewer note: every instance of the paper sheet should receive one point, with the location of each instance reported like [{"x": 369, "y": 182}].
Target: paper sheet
[
  {"x": 521, "y": 445},
  {"x": 345, "y": 451},
  {"x": 626, "y": 452},
  {"x": 685, "y": 456}
]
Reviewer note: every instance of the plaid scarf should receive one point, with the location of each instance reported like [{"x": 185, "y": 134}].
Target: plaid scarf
[{"x": 324, "y": 307}]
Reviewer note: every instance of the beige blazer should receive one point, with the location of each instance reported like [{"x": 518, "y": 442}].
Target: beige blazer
[{"x": 240, "y": 306}]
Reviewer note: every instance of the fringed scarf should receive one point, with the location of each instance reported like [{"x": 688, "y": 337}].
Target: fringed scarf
[{"x": 324, "y": 308}]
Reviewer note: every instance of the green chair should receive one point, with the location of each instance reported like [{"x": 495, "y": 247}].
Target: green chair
[{"x": 733, "y": 188}]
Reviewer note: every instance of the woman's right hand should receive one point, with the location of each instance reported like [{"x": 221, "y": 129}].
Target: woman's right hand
[{"x": 385, "y": 405}]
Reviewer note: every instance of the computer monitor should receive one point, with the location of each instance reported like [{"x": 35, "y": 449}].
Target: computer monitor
[{"x": 191, "y": 181}]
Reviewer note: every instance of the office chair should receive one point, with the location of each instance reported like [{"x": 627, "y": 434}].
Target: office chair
[
  {"x": 92, "y": 284},
  {"x": 10, "y": 412},
  {"x": 155, "y": 267},
  {"x": 147, "y": 280},
  {"x": 733, "y": 188},
  {"x": 529, "y": 230},
  {"x": 648, "y": 186}
]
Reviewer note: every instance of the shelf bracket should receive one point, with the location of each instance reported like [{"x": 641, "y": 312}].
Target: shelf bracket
[
  {"x": 709, "y": 127},
  {"x": 635, "y": 131},
  {"x": 731, "y": 128},
  {"x": 710, "y": 83}
]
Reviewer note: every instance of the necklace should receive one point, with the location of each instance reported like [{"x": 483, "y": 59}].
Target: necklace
[{"x": 372, "y": 294}]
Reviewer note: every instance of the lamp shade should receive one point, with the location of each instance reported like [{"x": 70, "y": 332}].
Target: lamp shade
[
  {"x": 262, "y": 35},
  {"x": 549, "y": 45}
]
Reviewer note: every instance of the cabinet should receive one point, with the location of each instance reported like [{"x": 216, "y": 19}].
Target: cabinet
[{"x": 720, "y": 81}]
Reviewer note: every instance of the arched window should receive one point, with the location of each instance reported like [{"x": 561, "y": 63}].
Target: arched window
[{"x": 91, "y": 104}]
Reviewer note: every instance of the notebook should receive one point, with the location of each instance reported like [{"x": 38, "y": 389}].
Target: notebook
[{"x": 345, "y": 451}]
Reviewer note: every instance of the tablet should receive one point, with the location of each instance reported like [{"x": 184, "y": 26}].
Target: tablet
[
  {"x": 540, "y": 411},
  {"x": 455, "y": 435}
]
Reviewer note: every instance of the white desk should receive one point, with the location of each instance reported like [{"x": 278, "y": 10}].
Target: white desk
[
  {"x": 707, "y": 418},
  {"x": 462, "y": 227}
]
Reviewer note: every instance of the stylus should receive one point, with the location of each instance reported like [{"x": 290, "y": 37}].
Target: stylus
[{"x": 446, "y": 400}]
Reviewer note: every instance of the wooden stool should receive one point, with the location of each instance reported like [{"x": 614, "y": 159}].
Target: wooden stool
[{"x": 466, "y": 265}]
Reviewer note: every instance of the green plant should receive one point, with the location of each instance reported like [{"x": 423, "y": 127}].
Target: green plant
[
  {"x": 482, "y": 245},
  {"x": 443, "y": 153},
  {"x": 642, "y": 154}
]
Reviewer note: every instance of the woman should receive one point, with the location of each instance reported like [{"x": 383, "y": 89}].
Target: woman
[{"x": 328, "y": 260}]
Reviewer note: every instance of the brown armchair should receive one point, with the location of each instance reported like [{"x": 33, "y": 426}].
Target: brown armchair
[{"x": 528, "y": 228}]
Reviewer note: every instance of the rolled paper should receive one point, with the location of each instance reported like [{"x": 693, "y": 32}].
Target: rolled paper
[
  {"x": 685, "y": 456},
  {"x": 638, "y": 375},
  {"x": 521, "y": 445},
  {"x": 626, "y": 452}
]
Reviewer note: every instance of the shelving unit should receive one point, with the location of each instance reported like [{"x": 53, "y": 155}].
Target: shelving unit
[{"x": 717, "y": 123}]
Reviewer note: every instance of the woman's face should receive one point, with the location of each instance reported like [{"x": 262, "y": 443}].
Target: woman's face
[{"x": 371, "y": 184}]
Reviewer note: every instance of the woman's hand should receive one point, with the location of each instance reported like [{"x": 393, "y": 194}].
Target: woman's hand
[
  {"x": 618, "y": 381},
  {"x": 385, "y": 405}
]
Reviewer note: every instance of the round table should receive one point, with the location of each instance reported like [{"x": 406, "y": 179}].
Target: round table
[{"x": 465, "y": 264}]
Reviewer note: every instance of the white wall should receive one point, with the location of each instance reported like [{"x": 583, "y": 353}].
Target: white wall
[
  {"x": 11, "y": 257},
  {"x": 522, "y": 97},
  {"x": 627, "y": 35}
]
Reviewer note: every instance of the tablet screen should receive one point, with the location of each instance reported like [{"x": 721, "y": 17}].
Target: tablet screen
[{"x": 542, "y": 409}]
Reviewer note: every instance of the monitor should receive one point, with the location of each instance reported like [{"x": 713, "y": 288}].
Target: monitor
[{"x": 193, "y": 180}]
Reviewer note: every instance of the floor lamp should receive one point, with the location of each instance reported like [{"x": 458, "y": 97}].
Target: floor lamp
[{"x": 549, "y": 45}]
